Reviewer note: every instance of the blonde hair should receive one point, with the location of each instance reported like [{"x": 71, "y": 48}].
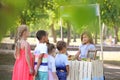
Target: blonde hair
[{"x": 21, "y": 29}]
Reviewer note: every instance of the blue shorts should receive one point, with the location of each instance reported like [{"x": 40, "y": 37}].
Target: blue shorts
[
  {"x": 42, "y": 76},
  {"x": 62, "y": 75}
]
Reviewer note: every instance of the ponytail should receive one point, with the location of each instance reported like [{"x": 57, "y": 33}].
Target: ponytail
[{"x": 19, "y": 34}]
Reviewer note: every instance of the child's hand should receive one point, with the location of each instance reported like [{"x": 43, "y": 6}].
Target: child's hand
[
  {"x": 56, "y": 79},
  {"x": 36, "y": 72},
  {"x": 79, "y": 59},
  {"x": 67, "y": 73},
  {"x": 31, "y": 71}
]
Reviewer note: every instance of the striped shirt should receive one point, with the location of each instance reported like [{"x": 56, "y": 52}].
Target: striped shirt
[{"x": 40, "y": 49}]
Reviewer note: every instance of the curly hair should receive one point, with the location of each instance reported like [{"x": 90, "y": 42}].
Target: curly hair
[{"x": 61, "y": 45}]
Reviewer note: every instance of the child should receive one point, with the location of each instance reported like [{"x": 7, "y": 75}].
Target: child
[
  {"x": 51, "y": 62},
  {"x": 41, "y": 56},
  {"x": 23, "y": 68},
  {"x": 61, "y": 61},
  {"x": 87, "y": 44}
]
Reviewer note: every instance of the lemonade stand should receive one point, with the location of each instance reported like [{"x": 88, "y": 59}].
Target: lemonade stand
[{"x": 86, "y": 69}]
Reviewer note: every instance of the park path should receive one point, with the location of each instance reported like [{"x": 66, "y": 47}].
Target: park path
[{"x": 112, "y": 72}]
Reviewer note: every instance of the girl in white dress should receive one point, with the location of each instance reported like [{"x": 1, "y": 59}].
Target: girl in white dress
[{"x": 51, "y": 62}]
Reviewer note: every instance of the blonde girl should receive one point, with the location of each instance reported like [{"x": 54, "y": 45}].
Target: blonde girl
[{"x": 23, "y": 69}]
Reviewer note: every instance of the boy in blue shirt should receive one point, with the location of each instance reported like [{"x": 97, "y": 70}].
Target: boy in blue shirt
[{"x": 61, "y": 61}]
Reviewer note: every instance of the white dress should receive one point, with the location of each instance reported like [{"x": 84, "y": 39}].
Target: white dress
[{"x": 51, "y": 66}]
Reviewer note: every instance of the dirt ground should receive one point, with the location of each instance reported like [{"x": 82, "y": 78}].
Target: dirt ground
[
  {"x": 112, "y": 72},
  {"x": 111, "y": 68},
  {"x": 6, "y": 66}
]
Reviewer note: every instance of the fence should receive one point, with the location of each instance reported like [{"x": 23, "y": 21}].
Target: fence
[{"x": 84, "y": 70}]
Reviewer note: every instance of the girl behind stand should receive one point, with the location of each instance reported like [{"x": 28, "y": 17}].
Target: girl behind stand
[{"x": 87, "y": 44}]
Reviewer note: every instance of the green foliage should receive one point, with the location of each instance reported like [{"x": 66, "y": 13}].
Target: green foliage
[
  {"x": 82, "y": 17},
  {"x": 9, "y": 10},
  {"x": 39, "y": 14},
  {"x": 110, "y": 12}
]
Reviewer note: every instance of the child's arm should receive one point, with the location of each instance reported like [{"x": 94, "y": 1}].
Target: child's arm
[
  {"x": 54, "y": 70},
  {"x": 28, "y": 58},
  {"x": 67, "y": 65},
  {"x": 39, "y": 62},
  {"x": 17, "y": 50},
  {"x": 55, "y": 76},
  {"x": 77, "y": 56},
  {"x": 67, "y": 68},
  {"x": 33, "y": 60}
]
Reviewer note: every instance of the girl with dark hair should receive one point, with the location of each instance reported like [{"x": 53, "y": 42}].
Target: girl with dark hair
[{"x": 51, "y": 62}]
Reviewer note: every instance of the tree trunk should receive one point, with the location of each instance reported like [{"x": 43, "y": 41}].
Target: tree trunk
[
  {"x": 116, "y": 34},
  {"x": 11, "y": 34},
  {"x": 68, "y": 33},
  {"x": 23, "y": 21},
  {"x": 61, "y": 31},
  {"x": 96, "y": 37},
  {"x": 53, "y": 33},
  {"x": 74, "y": 37}
]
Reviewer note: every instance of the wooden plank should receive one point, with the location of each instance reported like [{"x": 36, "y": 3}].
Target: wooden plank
[
  {"x": 101, "y": 70},
  {"x": 85, "y": 70},
  {"x": 77, "y": 70},
  {"x": 81, "y": 70},
  {"x": 73, "y": 70},
  {"x": 89, "y": 70},
  {"x": 97, "y": 69},
  {"x": 93, "y": 70}
]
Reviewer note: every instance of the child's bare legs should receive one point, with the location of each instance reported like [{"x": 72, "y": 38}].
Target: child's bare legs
[{"x": 55, "y": 75}]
